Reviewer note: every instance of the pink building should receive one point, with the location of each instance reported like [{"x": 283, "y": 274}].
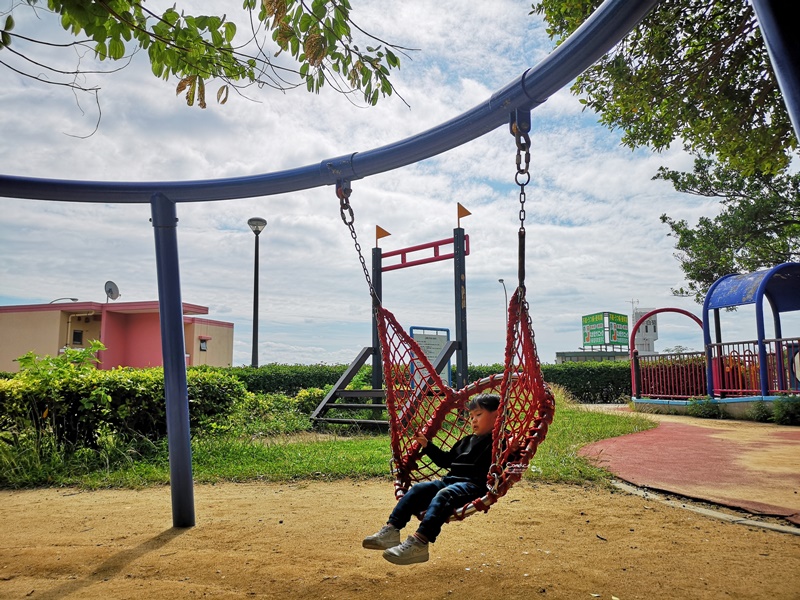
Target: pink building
[{"x": 130, "y": 331}]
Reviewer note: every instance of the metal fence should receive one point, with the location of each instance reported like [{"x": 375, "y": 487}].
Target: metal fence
[
  {"x": 678, "y": 376},
  {"x": 735, "y": 368}
]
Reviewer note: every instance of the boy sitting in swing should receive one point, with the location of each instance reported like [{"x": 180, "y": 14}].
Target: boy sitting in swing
[{"x": 468, "y": 462}]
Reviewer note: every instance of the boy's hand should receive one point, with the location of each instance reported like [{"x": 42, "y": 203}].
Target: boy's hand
[{"x": 421, "y": 440}]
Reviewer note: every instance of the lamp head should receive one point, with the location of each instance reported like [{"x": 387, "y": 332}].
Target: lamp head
[{"x": 257, "y": 224}]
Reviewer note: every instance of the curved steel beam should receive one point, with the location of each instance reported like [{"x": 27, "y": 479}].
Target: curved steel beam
[{"x": 607, "y": 26}]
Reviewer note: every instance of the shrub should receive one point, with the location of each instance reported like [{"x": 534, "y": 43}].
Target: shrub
[
  {"x": 786, "y": 410},
  {"x": 759, "y": 412},
  {"x": 76, "y": 402},
  {"x": 704, "y": 408},
  {"x": 309, "y": 399}
]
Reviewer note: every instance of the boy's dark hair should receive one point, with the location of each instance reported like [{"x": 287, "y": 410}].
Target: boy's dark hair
[{"x": 488, "y": 402}]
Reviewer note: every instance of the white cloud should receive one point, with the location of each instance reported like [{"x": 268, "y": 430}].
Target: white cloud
[{"x": 594, "y": 238}]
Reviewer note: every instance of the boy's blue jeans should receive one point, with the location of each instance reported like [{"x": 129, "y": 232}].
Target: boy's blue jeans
[{"x": 438, "y": 498}]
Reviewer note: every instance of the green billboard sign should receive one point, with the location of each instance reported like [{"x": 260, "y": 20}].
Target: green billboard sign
[
  {"x": 605, "y": 329},
  {"x": 617, "y": 329},
  {"x": 594, "y": 330}
]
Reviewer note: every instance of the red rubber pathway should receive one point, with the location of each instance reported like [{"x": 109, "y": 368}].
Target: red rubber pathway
[{"x": 740, "y": 464}]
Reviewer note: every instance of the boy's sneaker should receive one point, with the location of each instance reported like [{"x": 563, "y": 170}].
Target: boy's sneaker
[
  {"x": 409, "y": 552},
  {"x": 387, "y": 537}
]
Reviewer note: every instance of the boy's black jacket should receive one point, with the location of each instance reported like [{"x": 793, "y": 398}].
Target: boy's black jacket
[{"x": 469, "y": 460}]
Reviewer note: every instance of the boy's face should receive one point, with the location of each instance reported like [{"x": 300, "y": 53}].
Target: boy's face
[{"x": 482, "y": 420}]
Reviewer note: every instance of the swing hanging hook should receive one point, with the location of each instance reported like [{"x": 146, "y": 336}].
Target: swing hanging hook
[{"x": 343, "y": 191}]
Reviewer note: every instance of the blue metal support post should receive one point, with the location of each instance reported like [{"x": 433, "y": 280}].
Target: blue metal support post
[
  {"x": 377, "y": 285},
  {"x": 778, "y": 23},
  {"x": 173, "y": 349},
  {"x": 460, "y": 268}
]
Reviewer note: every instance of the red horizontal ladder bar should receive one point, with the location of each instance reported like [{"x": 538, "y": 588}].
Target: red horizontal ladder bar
[{"x": 437, "y": 256}]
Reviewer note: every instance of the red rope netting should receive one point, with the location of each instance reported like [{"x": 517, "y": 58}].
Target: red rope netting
[{"x": 418, "y": 401}]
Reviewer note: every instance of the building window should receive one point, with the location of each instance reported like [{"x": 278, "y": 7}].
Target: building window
[
  {"x": 203, "y": 345},
  {"x": 77, "y": 337}
]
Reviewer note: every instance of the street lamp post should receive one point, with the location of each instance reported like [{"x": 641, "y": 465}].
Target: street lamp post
[
  {"x": 64, "y": 298},
  {"x": 505, "y": 293},
  {"x": 257, "y": 224}
]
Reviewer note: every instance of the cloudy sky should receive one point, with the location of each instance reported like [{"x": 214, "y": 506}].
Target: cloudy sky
[{"x": 595, "y": 242}]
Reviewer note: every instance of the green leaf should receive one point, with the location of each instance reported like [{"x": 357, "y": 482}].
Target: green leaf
[
  {"x": 101, "y": 51},
  {"x": 170, "y": 16},
  {"x": 305, "y": 22},
  {"x": 9, "y": 23},
  {"x": 230, "y": 31},
  {"x": 116, "y": 49}
]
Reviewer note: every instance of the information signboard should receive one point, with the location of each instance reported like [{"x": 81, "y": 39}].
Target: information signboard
[{"x": 431, "y": 341}]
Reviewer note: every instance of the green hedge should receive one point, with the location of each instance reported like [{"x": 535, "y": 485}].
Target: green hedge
[
  {"x": 77, "y": 406},
  {"x": 590, "y": 382},
  {"x": 286, "y": 379},
  {"x": 593, "y": 382}
]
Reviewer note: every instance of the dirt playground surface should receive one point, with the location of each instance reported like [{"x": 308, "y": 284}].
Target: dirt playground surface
[{"x": 303, "y": 541}]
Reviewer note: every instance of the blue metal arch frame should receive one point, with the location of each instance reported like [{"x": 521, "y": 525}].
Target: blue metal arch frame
[
  {"x": 593, "y": 39},
  {"x": 608, "y": 25}
]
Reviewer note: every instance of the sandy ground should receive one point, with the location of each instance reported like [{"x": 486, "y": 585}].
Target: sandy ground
[{"x": 304, "y": 541}]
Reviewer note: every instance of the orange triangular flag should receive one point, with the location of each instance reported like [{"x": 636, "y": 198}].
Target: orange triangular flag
[
  {"x": 380, "y": 232},
  {"x": 462, "y": 212}
]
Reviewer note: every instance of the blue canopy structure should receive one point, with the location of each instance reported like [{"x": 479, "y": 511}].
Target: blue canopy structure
[{"x": 780, "y": 286}]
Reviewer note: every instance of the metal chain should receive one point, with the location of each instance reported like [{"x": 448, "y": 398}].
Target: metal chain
[
  {"x": 523, "y": 175},
  {"x": 343, "y": 191},
  {"x": 522, "y": 178}
]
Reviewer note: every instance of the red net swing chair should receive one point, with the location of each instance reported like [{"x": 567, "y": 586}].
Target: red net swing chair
[{"x": 419, "y": 402}]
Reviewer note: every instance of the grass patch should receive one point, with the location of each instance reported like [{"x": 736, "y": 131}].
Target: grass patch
[
  {"x": 268, "y": 439},
  {"x": 573, "y": 427}
]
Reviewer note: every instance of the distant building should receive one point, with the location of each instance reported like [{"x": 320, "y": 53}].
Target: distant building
[
  {"x": 647, "y": 334},
  {"x": 590, "y": 355},
  {"x": 130, "y": 331}
]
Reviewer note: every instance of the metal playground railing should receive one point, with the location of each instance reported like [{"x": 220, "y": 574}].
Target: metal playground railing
[{"x": 735, "y": 368}]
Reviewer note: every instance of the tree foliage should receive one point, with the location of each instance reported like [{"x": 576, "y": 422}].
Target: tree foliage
[
  {"x": 693, "y": 70},
  {"x": 196, "y": 49},
  {"x": 759, "y": 225},
  {"x": 698, "y": 71}
]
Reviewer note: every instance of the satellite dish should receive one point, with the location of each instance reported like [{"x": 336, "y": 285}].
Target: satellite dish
[{"x": 112, "y": 291}]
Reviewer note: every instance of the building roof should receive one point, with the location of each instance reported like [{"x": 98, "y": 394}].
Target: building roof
[{"x": 150, "y": 306}]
